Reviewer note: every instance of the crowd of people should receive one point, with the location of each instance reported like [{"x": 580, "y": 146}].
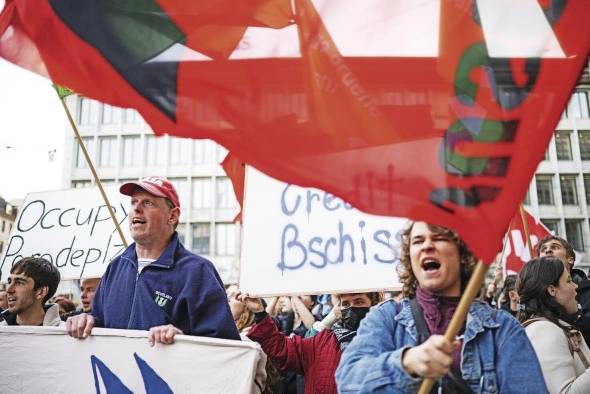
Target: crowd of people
[{"x": 529, "y": 335}]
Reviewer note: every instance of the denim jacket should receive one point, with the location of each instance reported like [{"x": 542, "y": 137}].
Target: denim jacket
[{"x": 496, "y": 354}]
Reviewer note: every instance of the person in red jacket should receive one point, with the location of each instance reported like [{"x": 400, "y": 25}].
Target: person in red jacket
[{"x": 315, "y": 357}]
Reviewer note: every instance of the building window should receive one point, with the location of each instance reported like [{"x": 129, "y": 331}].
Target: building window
[
  {"x": 179, "y": 151},
  {"x": 573, "y": 233},
  {"x": 1, "y": 246},
  {"x": 181, "y": 230},
  {"x": 80, "y": 159},
  {"x": 569, "y": 192},
  {"x": 107, "y": 153},
  {"x": 578, "y": 105},
  {"x": 225, "y": 197},
  {"x": 201, "y": 238},
  {"x": 81, "y": 184},
  {"x": 110, "y": 114},
  {"x": 131, "y": 151},
  {"x": 547, "y": 157},
  {"x": 563, "y": 145},
  {"x": 527, "y": 198},
  {"x": 225, "y": 239},
  {"x": 201, "y": 193},
  {"x": 552, "y": 225},
  {"x": 155, "y": 152},
  {"x": 3, "y": 226},
  {"x": 88, "y": 112},
  {"x": 587, "y": 188},
  {"x": 545, "y": 189},
  {"x": 584, "y": 140},
  {"x": 204, "y": 152},
  {"x": 132, "y": 116},
  {"x": 181, "y": 185}
]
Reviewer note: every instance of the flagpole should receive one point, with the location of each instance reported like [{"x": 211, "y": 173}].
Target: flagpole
[
  {"x": 471, "y": 291},
  {"x": 93, "y": 170},
  {"x": 527, "y": 234}
]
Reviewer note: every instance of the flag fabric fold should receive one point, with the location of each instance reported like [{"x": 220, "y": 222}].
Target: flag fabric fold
[{"x": 433, "y": 110}]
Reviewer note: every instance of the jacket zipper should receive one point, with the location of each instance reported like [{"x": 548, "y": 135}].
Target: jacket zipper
[{"x": 131, "y": 314}]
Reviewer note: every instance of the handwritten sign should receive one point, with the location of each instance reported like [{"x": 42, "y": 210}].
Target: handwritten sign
[
  {"x": 298, "y": 240},
  {"x": 46, "y": 360},
  {"x": 70, "y": 228}
]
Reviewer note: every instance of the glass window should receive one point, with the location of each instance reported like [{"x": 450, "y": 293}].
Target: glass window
[
  {"x": 578, "y": 105},
  {"x": 107, "y": 152},
  {"x": 1, "y": 246},
  {"x": 179, "y": 150},
  {"x": 225, "y": 239},
  {"x": 81, "y": 184},
  {"x": 132, "y": 116},
  {"x": 201, "y": 193},
  {"x": 569, "y": 192},
  {"x": 204, "y": 152},
  {"x": 131, "y": 151},
  {"x": 573, "y": 233},
  {"x": 552, "y": 225},
  {"x": 545, "y": 189},
  {"x": 88, "y": 112},
  {"x": 110, "y": 114},
  {"x": 155, "y": 152},
  {"x": 201, "y": 238},
  {"x": 3, "y": 226},
  {"x": 587, "y": 188},
  {"x": 225, "y": 197},
  {"x": 527, "y": 198},
  {"x": 181, "y": 185},
  {"x": 563, "y": 145},
  {"x": 80, "y": 159},
  {"x": 584, "y": 140},
  {"x": 547, "y": 157},
  {"x": 181, "y": 230}
]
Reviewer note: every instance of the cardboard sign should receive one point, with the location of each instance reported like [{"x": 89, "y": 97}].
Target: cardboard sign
[
  {"x": 305, "y": 241},
  {"x": 46, "y": 360},
  {"x": 70, "y": 228}
]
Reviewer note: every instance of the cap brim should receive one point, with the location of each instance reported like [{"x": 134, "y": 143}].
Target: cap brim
[{"x": 129, "y": 187}]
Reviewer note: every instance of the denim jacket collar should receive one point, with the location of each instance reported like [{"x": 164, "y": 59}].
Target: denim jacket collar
[{"x": 478, "y": 318}]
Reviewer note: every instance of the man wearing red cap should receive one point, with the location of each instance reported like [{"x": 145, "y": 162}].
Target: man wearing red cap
[{"x": 156, "y": 284}]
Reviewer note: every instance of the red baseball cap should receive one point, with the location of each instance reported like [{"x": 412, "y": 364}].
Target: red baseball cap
[{"x": 155, "y": 185}]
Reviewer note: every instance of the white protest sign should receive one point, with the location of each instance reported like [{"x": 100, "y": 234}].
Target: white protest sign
[
  {"x": 70, "y": 228},
  {"x": 306, "y": 241},
  {"x": 46, "y": 360}
]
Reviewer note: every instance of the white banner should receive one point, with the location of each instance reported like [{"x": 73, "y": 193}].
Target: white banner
[
  {"x": 46, "y": 360},
  {"x": 306, "y": 241},
  {"x": 70, "y": 228}
]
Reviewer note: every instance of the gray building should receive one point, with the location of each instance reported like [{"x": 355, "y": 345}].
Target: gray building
[{"x": 123, "y": 148}]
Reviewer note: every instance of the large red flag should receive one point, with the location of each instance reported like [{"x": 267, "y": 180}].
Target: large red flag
[
  {"x": 434, "y": 110},
  {"x": 516, "y": 252}
]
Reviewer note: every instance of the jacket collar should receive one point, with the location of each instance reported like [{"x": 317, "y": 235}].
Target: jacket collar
[
  {"x": 166, "y": 259},
  {"x": 480, "y": 316}
]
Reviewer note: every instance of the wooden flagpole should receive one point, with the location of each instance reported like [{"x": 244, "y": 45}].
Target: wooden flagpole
[
  {"x": 92, "y": 169},
  {"x": 525, "y": 225},
  {"x": 472, "y": 290}
]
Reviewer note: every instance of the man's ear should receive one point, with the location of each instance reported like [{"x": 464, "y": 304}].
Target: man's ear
[
  {"x": 174, "y": 215},
  {"x": 41, "y": 292}
]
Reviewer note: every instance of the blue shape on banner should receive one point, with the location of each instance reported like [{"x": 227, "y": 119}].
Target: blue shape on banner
[{"x": 153, "y": 383}]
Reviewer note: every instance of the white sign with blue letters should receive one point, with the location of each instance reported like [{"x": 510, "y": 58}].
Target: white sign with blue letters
[{"x": 305, "y": 241}]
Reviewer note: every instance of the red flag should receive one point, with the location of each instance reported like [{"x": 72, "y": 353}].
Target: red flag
[
  {"x": 434, "y": 110},
  {"x": 516, "y": 252}
]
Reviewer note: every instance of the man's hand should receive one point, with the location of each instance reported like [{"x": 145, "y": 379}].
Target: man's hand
[
  {"x": 432, "y": 359},
  {"x": 80, "y": 326},
  {"x": 163, "y": 334},
  {"x": 253, "y": 304}
]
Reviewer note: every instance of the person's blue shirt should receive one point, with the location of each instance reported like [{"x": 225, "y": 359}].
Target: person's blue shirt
[
  {"x": 497, "y": 356},
  {"x": 179, "y": 288}
]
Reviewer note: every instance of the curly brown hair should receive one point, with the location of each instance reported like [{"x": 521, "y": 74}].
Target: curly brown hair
[{"x": 404, "y": 269}]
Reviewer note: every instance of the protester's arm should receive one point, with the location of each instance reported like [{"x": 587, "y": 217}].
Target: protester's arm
[
  {"x": 304, "y": 314},
  {"x": 285, "y": 353},
  {"x": 550, "y": 345},
  {"x": 270, "y": 308},
  {"x": 326, "y": 323}
]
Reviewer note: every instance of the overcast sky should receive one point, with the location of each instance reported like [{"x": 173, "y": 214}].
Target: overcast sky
[{"x": 32, "y": 123}]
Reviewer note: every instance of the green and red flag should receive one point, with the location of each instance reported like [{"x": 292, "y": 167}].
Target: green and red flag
[{"x": 434, "y": 110}]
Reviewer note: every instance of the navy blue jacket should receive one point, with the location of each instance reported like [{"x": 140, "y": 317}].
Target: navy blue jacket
[{"x": 179, "y": 288}]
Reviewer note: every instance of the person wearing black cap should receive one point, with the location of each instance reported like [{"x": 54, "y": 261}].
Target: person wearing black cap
[{"x": 156, "y": 284}]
